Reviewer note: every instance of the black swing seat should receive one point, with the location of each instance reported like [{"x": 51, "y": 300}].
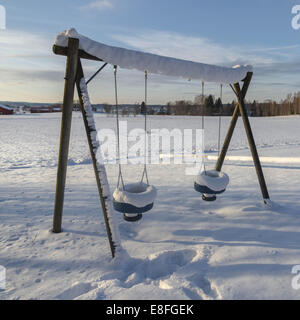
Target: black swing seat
[
  {"x": 210, "y": 183},
  {"x": 134, "y": 199}
]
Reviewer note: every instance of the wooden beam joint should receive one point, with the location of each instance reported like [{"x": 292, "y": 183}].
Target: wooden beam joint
[{"x": 63, "y": 51}]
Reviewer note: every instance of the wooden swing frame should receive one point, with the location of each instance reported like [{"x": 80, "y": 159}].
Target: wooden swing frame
[{"x": 74, "y": 73}]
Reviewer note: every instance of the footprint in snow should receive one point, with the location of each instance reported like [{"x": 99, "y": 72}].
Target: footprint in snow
[
  {"x": 77, "y": 290},
  {"x": 157, "y": 266}
]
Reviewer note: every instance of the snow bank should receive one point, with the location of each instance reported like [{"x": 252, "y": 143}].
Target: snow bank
[
  {"x": 282, "y": 160},
  {"x": 131, "y": 59},
  {"x": 233, "y": 248},
  {"x": 239, "y": 158}
]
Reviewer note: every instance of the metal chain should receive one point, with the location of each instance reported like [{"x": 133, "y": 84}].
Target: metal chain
[
  {"x": 203, "y": 128},
  {"x": 220, "y": 121},
  {"x": 120, "y": 177},
  {"x": 145, "y": 173}
]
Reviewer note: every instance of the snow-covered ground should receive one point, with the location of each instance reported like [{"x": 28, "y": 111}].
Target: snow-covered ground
[{"x": 234, "y": 248}]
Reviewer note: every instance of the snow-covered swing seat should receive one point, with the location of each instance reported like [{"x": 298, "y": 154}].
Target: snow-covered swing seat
[
  {"x": 210, "y": 183},
  {"x": 134, "y": 200},
  {"x": 138, "y": 198}
]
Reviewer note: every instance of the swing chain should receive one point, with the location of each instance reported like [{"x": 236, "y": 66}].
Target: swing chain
[
  {"x": 203, "y": 125},
  {"x": 220, "y": 121},
  {"x": 120, "y": 177},
  {"x": 203, "y": 128},
  {"x": 145, "y": 173}
]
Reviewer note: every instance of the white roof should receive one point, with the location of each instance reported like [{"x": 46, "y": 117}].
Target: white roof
[
  {"x": 6, "y": 107},
  {"x": 152, "y": 63}
]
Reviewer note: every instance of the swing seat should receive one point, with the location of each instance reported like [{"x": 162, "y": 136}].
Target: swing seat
[
  {"x": 134, "y": 199},
  {"x": 210, "y": 183}
]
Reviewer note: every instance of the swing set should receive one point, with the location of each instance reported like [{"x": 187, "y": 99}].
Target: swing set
[{"x": 134, "y": 199}]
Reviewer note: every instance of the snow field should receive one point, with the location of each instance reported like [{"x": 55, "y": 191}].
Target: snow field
[{"x": 235, "y": 248}]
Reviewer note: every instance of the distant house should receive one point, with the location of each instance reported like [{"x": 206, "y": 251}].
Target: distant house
[
  {"x": 44, "y": 109},
  {"x": 162, "y": 111},
  {"x": 21, "y": 109},
  {"x": 40, "y": 110},
  {"x": 56, "y": 109},
  {"x": 4, "y": 110}
]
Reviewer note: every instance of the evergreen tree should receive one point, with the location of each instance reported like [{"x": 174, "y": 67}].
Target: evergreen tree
[
  {"x": 218, "y": 106},
  {"x": 143, "y": 108},
  {"x": 209, "y": 105},
  {"x": 137, "y": 109},
  {"x": 107, "y": 108}
]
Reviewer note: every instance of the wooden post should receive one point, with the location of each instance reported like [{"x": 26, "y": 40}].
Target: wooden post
[
  {"x": 227, "y": 140},
  {"x": 252, "y": 144},
  {"x": 89, "y": 132},
  {"x": 71, "y": 70},
  {"x": 233, "y": 124},
  {"x": 240, "y": 107}
]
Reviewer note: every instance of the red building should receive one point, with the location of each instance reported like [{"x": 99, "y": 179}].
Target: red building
[
  {"x": 40, "y": 110},
  {"x": 4, "y": 110},
  {"x": 44, "y": 109}
]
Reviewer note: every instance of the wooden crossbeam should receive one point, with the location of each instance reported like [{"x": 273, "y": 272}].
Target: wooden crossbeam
[{"x": 63, "y": 51}]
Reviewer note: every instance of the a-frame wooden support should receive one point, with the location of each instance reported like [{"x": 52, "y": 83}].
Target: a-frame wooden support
[
  {"x": 241, "y": 108},
  {"x": 74, "y": 74}
]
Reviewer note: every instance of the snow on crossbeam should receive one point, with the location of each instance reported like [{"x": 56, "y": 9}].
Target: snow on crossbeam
[{"x": 131, "y": 59}]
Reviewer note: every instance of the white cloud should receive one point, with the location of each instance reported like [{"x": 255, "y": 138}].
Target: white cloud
[
  {"x": 203, "y": 50},
  {"x": 31, "y": 71},
  {"x": 270, "y": 64},
  {"x": 17, "y": 43},
  {"x": 28, "y": 66},
  {"x": 98, "y": 5}
]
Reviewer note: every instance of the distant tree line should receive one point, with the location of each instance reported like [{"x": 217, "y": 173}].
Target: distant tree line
[
  {"x": 268, "y": 108},
  {"x": 209, "y": 106},
  {"x": 135, "y": 109}
]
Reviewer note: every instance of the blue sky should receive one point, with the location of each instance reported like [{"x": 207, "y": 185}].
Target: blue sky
[{"x": 219, "y": 32}]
